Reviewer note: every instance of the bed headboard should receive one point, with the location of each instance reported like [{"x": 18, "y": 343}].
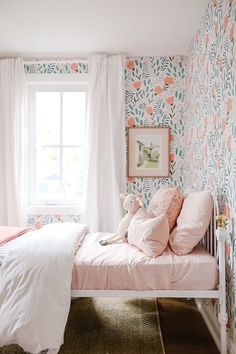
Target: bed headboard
[{"x": 209, "y": 241}]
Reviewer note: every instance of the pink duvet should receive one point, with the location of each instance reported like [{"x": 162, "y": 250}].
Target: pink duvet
[
  {"x": 8, "y": 233},
  {"x": 124, "y": 267}
]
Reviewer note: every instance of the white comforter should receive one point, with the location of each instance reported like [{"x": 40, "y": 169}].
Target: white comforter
[{"x": 35, "y": 287}]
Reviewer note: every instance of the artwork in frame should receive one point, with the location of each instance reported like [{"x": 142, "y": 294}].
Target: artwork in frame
[{"x": 148, "y": 152}]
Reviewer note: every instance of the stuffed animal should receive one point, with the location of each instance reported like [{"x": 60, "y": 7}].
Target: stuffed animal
[{"x": 131, "y": 203}]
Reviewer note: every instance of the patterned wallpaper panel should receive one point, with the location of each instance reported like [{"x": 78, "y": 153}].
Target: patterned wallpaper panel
[
  {"x": 155, "y": 97},
  {"x": 56, "y": 68},
  {"x": 38, "y": 220},
  {"x": 210, "y": 120}
]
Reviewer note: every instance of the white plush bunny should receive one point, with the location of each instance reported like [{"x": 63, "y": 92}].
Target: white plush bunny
[{"x": 131, "y": 203}]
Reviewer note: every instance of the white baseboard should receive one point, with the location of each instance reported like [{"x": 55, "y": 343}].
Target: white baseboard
[{"x": 206, "y": 310}]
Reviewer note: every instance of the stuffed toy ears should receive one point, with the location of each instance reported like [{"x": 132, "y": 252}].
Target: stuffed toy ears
[{"x": 124, "y": 195}]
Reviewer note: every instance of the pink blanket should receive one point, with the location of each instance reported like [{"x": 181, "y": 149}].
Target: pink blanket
[{"x": 8, "y": 233}]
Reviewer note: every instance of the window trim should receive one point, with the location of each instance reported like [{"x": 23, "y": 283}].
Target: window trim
[{"x": 44, "y": 86}]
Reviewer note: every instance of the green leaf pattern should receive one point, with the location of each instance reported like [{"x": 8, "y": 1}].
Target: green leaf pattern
[{"x": 56, "y": 67}]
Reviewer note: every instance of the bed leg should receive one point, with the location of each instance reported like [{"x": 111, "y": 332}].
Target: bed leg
[{"x": 223, "y": 318}]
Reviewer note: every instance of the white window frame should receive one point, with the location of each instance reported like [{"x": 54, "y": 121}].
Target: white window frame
[{"x": 58, "y": 83}]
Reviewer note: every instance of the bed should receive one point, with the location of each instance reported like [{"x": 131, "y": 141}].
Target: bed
[{"x": 123, "y": 270}]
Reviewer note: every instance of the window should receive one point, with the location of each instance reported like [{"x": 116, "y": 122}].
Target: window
[{"x": 56, "y": 143}]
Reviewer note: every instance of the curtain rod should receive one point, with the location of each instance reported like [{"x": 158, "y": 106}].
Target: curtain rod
[{"x": 59, "y": 61}]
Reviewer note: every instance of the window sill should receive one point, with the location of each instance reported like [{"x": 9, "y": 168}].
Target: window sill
[{"x": 54, "y": 210}]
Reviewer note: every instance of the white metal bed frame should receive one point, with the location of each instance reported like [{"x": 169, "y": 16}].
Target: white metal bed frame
[{"x": 214, "y": 242}]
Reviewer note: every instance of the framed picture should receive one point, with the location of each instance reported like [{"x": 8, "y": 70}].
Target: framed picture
[{"x": 148, "y": 152}]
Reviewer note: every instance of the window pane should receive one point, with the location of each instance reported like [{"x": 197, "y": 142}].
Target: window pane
[
  {"x": 73, "y": 172},
  {"x": 47, "y": 118},
  {"x": 48, "y": 184},
  {"x": 74, "y": 118}
]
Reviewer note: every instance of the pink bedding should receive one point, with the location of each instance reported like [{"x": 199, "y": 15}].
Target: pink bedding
[
  {"x": 124, "y": 267},
  {"x": 8, "y": 233}
]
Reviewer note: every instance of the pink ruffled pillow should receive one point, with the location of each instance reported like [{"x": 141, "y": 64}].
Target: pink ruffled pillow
[
  {"x": 192, "y": 222},
  {"x": 150, "y": 235},
  {"x": 167, "y": 200}
]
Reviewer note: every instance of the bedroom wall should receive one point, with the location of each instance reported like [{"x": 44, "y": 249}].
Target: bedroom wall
[
  {"x": 210, "y": 120},
  {"x": 154, "y": 96}
]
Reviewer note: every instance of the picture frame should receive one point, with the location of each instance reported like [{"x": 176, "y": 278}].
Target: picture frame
[{"x": 148, "y": 152}]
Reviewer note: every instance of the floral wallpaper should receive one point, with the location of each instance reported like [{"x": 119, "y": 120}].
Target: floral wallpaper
[
  {"x": 210, "y": 121},
  {"x": 38, "y": 220},
  {"x": 56, "y": 67},
  {"x": 155, "y": 97}
]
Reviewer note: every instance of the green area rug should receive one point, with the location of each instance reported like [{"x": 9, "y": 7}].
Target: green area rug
[{"x": 110, "y": 326}]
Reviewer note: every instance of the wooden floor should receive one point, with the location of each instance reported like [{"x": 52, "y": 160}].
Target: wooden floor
[{"x": 183, "y": 329}]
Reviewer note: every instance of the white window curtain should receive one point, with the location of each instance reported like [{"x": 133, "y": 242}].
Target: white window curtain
[
  {"x": 106, "y": 150},
  {"x": 12, "y": 103}
]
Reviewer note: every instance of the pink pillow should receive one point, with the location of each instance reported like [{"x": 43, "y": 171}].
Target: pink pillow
[
  {"x": 150, "y": 235},
  {"x": 167, "y": 200},
  {"x": 192, "y": 222},
  {"x": 8, "y": 233}
]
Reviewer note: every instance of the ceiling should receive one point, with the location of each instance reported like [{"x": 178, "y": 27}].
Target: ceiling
[{"x": 74, "y": 28}]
